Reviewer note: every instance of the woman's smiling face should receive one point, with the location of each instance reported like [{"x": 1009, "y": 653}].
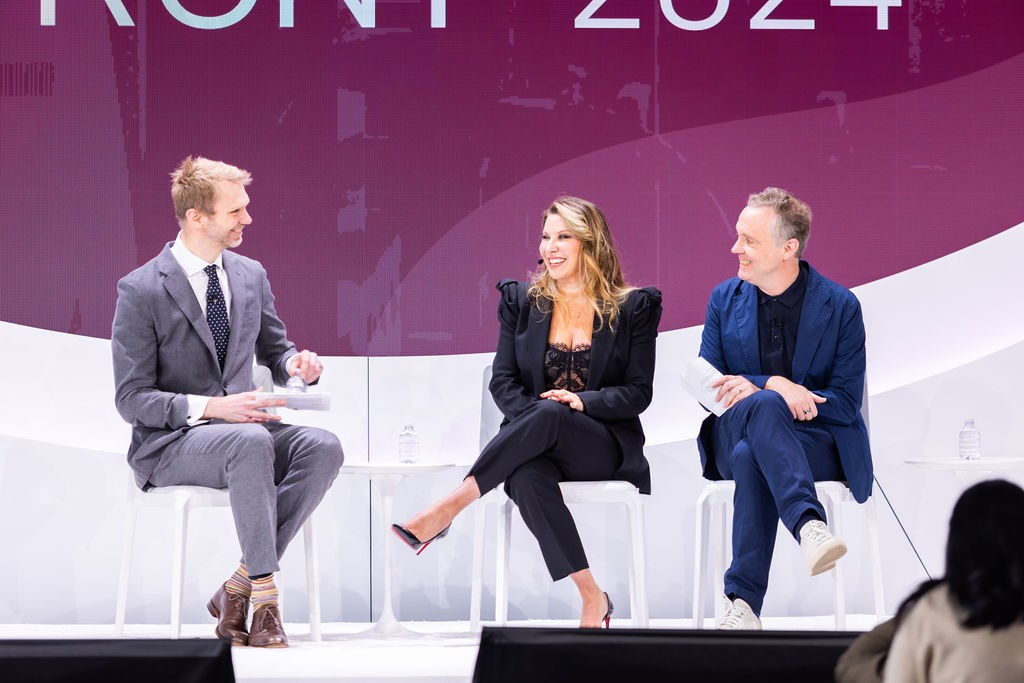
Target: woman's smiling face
[{"x": 560, "y": 250}]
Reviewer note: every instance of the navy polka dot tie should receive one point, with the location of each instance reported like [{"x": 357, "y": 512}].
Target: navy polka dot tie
[{"x": 217, "y": 313}]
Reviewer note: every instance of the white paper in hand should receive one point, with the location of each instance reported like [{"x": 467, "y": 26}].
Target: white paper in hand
[
  {"x": 698, "y": 377},
  {"x": 297, "y": 401}
]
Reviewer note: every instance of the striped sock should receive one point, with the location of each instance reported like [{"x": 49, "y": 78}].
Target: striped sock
[
  {"x": 239, "y": 582},
  {"x": 264, "y": 592}
]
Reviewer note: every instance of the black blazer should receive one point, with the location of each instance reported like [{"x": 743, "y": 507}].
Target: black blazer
[{"x": 620, "y": 383}]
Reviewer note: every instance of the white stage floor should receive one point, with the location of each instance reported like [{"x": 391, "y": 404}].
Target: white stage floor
[{"x": 445, "y": 652}]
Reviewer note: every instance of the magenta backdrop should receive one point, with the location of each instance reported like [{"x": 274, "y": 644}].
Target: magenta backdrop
[{"x": 401, "y": 170}]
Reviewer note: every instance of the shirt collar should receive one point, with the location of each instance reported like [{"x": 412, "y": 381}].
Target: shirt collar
[
  {"x": 188, "y": 261},
  {"x": 791, "y": 297}
]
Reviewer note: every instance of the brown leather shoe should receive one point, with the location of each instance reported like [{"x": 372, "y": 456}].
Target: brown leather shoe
[
  {"x": 230, "y": 611},
  {"x": 267, "y": 630}
]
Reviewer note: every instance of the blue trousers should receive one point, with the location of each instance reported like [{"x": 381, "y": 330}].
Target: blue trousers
[{"x": 774, "y": 461}]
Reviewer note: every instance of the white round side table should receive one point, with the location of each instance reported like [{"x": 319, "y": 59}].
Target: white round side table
[{"x": 385, "y": 477}]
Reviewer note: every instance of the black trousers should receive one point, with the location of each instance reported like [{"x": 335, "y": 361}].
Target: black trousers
[{"x": 549, "y": 443}]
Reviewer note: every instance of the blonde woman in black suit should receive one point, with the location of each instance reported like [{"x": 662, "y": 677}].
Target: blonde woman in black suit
[{"x": 573, "y": 370}]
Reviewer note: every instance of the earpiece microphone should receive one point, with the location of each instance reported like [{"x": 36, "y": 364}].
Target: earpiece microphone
[{"x": 540, "y": 261}]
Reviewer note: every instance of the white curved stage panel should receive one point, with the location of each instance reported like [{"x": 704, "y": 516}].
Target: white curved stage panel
[
  {"x": 63, "y": 476},
  {"x": 945, "y": 313}
]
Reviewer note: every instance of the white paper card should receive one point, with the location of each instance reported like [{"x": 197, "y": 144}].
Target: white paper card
[
  {"x": 296, "y": 401},
  {"x": 698, "y": 377}
]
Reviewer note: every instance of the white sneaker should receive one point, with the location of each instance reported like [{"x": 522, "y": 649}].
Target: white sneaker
[
  {"x": 820, "y": 548},
  {"x": 739, "y": 617}
]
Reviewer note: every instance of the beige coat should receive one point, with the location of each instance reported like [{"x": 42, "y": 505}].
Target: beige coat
[{"x": 931, "y": 647}]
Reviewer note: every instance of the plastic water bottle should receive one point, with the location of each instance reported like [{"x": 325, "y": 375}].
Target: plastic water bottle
[
  {"x": 970, "y": 441},
  {"x": 408, "y": 445},
  {"x": 296, "y": 384}
]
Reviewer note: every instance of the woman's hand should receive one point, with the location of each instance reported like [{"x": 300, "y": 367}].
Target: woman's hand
[{"x": 567, "y": 397}]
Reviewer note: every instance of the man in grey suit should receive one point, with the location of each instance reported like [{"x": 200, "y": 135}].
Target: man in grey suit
[{"x": 187, "y": 327}]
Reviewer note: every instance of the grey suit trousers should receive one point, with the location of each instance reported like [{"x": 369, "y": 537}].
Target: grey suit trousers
[{"x": 276, "y": 475}]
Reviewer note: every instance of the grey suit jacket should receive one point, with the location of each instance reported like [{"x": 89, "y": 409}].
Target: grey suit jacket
[{"x": 163, "y": 349}]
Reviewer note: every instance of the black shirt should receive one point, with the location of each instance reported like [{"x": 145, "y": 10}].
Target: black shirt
[{"x": 778, "y": 318}]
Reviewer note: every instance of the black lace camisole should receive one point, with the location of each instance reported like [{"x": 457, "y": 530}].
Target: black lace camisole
[{"x": 567, "y": 368}]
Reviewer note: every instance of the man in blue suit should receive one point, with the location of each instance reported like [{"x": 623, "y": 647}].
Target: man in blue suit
[{"x": 790, "y": 344}]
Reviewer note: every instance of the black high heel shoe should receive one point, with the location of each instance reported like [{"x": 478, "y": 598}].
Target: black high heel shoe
[
  {"x": 608, "y": 615},
  {"x": 409, "y": 538}
]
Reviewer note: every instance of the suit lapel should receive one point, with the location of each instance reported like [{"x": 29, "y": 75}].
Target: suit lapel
[
  {"x": 241, "y": 296},
  {"x": 600, "y": 351},
  {"x": 178, "y": 288},
  {"x": 536, "y": 344},
  {"x": 814, "y": 318},
  {"x": 745, "y": 317}
]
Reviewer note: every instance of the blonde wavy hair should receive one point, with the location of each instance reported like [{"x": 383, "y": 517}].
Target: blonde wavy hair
[{"x": 600, "y": 273}]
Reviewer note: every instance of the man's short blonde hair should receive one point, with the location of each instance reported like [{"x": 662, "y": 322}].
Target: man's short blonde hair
[{"x": 194, "y": 183}]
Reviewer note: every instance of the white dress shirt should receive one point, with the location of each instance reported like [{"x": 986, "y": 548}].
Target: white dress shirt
[
  {"x": 193, "y": 267},
  {"x": 197, "y": 278}
]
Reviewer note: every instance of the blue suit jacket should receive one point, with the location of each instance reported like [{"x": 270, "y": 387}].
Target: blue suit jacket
[
  {"x": 829, "y": 359},
  {"x": 620, "y": 380}
]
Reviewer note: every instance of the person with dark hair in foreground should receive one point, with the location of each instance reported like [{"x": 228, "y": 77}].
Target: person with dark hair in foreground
[
  {"x": 573, "y": 371},
  {"x": 968, "y": 626}
]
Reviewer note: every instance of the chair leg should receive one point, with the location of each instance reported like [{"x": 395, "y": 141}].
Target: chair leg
[
  {"x": 725, "y": 512},
  {"x": 835, "y": 513},
  {"x": 127, "y": 549},
  {"x": 631, "y": 570},
  {"x": 871, "y": 515},
  {"x": 282, "y": 595},
  {"x": 181, "y": 511},
  {"x": 476, "y": 589},
  {"x": 637, "y": 573},
  {"x": 702, "y": 510},
  {"x": 312, "y": 578},
  {"x": 503, "y": 564}
]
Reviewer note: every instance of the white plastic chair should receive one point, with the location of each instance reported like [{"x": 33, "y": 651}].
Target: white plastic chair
[
  {"x": 715, "y": 507},
  {"x": 183, "y": 500},
  {"x": 714, "y": 517},
  {"x": 573, "y": 492}
]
